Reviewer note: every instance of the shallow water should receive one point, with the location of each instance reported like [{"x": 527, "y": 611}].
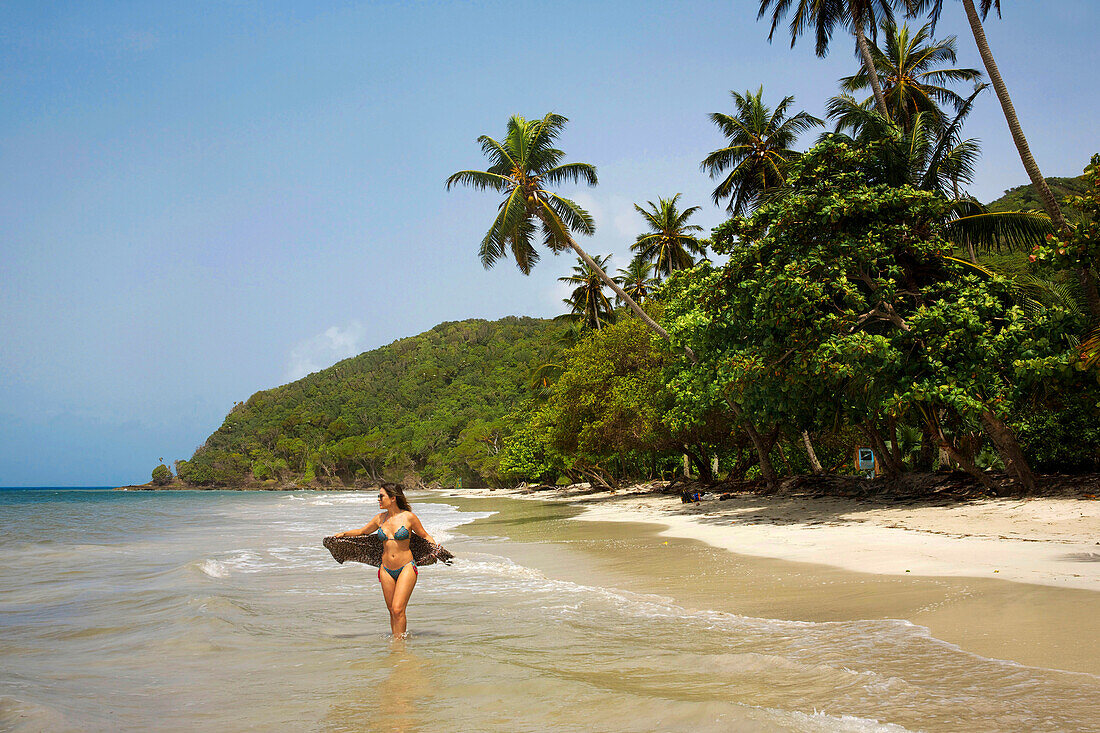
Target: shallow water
[{"x": 221, "y": 611}]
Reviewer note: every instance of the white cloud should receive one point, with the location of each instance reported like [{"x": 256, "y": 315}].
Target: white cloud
[{"x": 324, "y": 349}]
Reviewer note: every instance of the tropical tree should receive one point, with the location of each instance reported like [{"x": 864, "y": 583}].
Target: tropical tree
[
  {"x": 913, "y": 68},
  {"x": 837, "y": 299},
  {"x": 670, "y": 243},
  {"x": 934, "y": 157},
  {"x": 588, "y": 303},
  {"x": 637, "y": 279},
  {"x": 759, "y": 149},
  {"x": 1086, "y": 276},
  {"x": 825, "y": 16},
  {"x": 523, "y": 165}
]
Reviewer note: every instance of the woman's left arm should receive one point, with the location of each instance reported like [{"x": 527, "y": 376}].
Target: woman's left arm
[{"x": 416, "y": 526}]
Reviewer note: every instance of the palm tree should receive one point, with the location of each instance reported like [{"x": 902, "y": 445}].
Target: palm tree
[
  {"x": 934, "y": 157},
  {"x": 1050, "y": 204},
  {"x": 825, "y": 16},
  {"x": 912, "y": 73},
  {"x": 589, "y": 306},
  {"x": 523, "y": 164},
  {"x": 637, "y": 279},
  {"x": 759, "y": 149},
  {"x": 669, "y": 243}
]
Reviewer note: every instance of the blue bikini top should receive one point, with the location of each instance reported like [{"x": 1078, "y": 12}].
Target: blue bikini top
[{"x": 402, "y": 533}]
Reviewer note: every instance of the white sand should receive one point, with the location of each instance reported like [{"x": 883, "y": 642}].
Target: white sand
[{"x": 1046, "y": 541}]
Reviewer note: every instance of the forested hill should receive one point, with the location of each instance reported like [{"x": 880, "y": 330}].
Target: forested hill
[
  {"x": 426, "y": 404},
  {"x": 1024, "y": 198}
]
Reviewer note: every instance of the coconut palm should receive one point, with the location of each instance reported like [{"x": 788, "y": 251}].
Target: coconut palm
[
  {"x": 637, "y": 279},
  {"x": 1050, "y": 204},
  {"x": 825, "y": 16},
  {"x": 669, "y": 244},
  {"x": 522, "y": 166},
  {"x": 759, "y": 149},
  {"x": 588, "y": 303},
  {"x": 912, "y": 69}
]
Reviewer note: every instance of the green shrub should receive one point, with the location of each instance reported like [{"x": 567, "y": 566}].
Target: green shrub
[{"x": 162, "y": 475}]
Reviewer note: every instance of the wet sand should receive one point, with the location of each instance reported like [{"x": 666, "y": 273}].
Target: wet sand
[{"x": 1030, "y": 624}]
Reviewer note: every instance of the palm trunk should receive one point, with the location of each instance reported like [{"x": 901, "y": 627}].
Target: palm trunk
[
  {"x": 869, "y": 65},
  {"x": 1088, "y": 281},
  {"x": 653, "y": 325}
]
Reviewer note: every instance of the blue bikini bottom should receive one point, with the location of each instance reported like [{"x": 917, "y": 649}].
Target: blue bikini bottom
[{"x": 395, "y": 574}]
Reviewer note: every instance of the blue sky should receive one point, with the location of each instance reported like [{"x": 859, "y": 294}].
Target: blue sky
[{"x": 201, "y": 200}]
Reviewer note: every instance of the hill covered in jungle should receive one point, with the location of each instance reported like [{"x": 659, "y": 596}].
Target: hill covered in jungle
[{"x": 428, "y": 404}]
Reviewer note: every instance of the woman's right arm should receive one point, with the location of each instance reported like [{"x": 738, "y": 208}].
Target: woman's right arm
[{"x": 372, "y": 525}]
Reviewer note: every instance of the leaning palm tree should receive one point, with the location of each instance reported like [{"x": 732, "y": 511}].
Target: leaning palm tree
[
  {"x": 825, "y": 16},
  {"x": 759, "y": 149},
  {"x": 669, "y": 244},
  {"x": 588, "y": 304},
  {"x": 1086, "y": 277},
  {"x": 913, "y": 68},
  {"x": 522, "y": 166},
  {"x": 637, "y": 279}
]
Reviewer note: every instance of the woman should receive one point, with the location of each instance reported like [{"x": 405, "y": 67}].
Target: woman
[{"x": 397, "y": 573}]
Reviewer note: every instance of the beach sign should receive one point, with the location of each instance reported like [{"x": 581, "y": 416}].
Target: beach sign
[{"x": 865, "y": 461}]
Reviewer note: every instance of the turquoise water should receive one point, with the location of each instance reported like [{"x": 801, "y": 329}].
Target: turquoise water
[{"x": 221, "y": 611}]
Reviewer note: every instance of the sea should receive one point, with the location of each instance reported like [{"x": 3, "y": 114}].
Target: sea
[{"x": 221, "y": 611}]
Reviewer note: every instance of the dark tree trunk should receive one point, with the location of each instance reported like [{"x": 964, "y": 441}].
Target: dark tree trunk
[
  {"x": 783, "y": 456},
  {"x": 892, "y": 432},
  {"x": 762, "y": 445},
  {"x": 878, "y": 445},
  {"x": 745, "y": 461},
  {"x": 967, "y": 465},
  {"x": 1009, "y": 448},
  {"x": 702, "y": 465}
]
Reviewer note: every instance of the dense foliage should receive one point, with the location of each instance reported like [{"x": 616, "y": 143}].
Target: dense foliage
[
  {"x": 430, "y": 404},
  {"x": 838, "y": 307}
]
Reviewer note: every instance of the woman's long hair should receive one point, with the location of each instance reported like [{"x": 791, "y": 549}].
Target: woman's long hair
[{"x": 398, "y": 494}]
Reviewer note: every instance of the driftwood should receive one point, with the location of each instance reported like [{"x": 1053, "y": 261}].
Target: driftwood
[{"x": 367, "y": 549}]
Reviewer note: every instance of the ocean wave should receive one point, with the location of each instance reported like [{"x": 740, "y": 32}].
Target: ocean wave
[
  {"x": 213, "y": 568},
  {"x": 826, "y": 723}
]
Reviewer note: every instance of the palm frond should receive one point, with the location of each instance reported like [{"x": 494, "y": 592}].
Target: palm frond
[
  {"x": 480, "y": 180},
  {"x": 985, "y": 230},
  {"x": 571, "y": 172}
]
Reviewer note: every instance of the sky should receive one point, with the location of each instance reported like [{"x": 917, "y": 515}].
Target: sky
[{"x": 202, "y": 200}]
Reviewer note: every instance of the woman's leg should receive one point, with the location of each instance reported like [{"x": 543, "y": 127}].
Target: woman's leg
[
  {"x": 388, "y": 587},
  {"x": 403, "y": 588}
]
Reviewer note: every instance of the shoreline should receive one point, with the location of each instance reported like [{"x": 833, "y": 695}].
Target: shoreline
[{"x": 1041, "y": 541}]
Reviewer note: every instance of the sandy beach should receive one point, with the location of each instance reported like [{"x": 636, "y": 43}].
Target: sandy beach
[
  {"x": 1005, "y": 579},
  {"x": 1045, "y": 541}
]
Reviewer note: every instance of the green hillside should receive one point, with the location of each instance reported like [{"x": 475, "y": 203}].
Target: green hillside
[
  {"x": 429, "y": 404},
  {"x": 1024, "y": 198}
]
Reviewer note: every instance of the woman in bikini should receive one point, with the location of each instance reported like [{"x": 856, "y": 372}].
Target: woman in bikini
[{"x": 398, "y": 572}]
